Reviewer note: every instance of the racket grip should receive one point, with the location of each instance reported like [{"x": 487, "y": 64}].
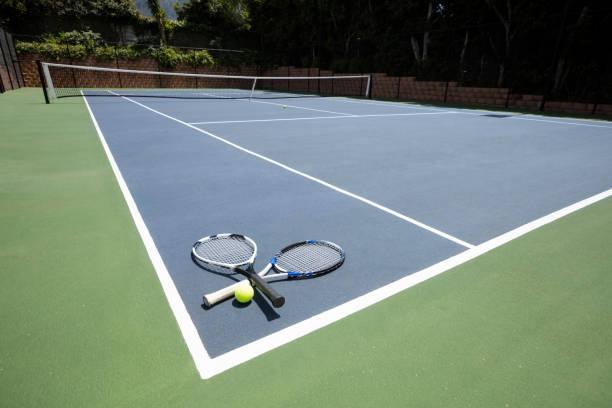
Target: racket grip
[
  {"x": 220, "y": 295},
  {"x": 277, "y": 299}
]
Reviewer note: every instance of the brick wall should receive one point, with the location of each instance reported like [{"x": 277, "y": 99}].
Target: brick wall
[{"x": 382, "y": 86}]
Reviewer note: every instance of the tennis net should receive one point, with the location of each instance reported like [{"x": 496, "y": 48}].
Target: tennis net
[{"x": 62, "y": 80}]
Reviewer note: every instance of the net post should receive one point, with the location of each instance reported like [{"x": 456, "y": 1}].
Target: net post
[
  {"x": 42, "y": 80},
  {"x": 253, "y": 88},
  {"x": 49, "y": 80},
  {"x": 368, "y": 93}
]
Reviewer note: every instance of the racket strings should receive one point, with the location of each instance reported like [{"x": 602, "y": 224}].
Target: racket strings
[
  {"x": 231, "y": 250},
  {"x": 312, "y": 257}
]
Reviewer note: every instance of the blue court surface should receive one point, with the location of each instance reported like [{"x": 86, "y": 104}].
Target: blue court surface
[{"x": 401, "y": 187}]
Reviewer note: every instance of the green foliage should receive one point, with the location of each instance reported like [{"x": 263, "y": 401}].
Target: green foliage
[
  {"x": 104, "y": 53},
  {"x": 220, "y": 18},
  {"x": 198, "y": 58},
  {"x": 87, "y": 38},
  {"x": 129, "y": 52},
  {"x": 19, "y": 12},
  {"x": 527, "y": 46},
  {"x": 166, "y": 57},
  {"x": 167, "y": 6},
  {"x": 78, "y": 46},
  {"x": 148, "y": 40}
]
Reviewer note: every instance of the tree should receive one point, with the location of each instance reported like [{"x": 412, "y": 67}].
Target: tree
[
  {"x": 218, "y": 18},
  {"x": 20, "y": 15},
  {"x": 158, "y": 14}
]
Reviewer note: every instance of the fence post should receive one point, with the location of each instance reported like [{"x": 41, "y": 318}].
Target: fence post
[
  {"x": 14, "y": 58},
  {"x": 399, "y": 84},
  {"x": 446, "y": 92},
  {"x": 74, "y": 81},
  {"x": 18, "y": 61},
  {"x": 117, "y": 64},
  {"x": 42, "y": 81},
  {"x": 8, "y": 70}
]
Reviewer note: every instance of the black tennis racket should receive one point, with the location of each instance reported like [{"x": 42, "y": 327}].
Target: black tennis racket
[{"x": 300, "y": 260}]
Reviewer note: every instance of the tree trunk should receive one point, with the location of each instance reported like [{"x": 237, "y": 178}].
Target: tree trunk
[
  {"x": 462, "y": 56},
  {"x": 507, "y": 23},
  {"x": 416, "y": 50},
  {"x": 500, "y": 74},
  {"x": 426, "y": 39},
  {"x": 561, "y": 62},
  {"x": 162, "y": 29},
  {"x": 421, "y": 56}
]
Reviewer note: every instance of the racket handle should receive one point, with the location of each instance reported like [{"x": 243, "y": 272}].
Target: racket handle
[
  {"x": 220, "y": 295},
  {"x": 277, "y": 299}
]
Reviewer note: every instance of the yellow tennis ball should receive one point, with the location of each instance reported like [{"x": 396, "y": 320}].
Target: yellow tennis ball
[
  {"x": 244, "y": 292},
  {"x": 284, "y": 106}
]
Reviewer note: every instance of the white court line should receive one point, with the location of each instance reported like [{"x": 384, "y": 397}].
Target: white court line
[
  {"x": 320, "y": 117},
  {"x": 479, "y": 110},
  {"x": 190, "y": 333},
  {"x": 298, "y": 107},
  {"x": 559, "y": 122},
  {"x": 284, "y": 336},
  {"x": 309, "y": 177},
  {"x": 392, "y": 104},
  {"x": 282, "y": 104},
  {"x": 208, "y": 367}
]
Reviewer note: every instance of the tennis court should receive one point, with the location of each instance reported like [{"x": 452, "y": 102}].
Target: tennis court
[
  {"x": 409, "y": 191},
  {"x": 400, "y": 187}
]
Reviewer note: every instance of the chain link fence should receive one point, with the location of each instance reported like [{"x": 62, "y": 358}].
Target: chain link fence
[{"x": 10, "y": 71}]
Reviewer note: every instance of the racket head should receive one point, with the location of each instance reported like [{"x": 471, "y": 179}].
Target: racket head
[
  {"x": 229, "y": 251},
  {"x": 309, "y": 258}
]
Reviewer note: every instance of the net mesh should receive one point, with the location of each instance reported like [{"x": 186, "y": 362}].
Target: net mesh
[
  {"x": 74, "y": 80},
  {"x": 229, "y": 250},
  {"x": 312, "y": 257}
]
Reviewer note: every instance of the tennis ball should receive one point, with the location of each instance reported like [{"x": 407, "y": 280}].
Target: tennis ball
[
  {"x": 284, "y": 106},
  {"x": 244, "y": 292}
]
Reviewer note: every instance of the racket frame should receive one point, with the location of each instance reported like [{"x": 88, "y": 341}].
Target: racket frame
[
  {"x": 276, "y": 299},
  {"x": 213, "y": 298}
]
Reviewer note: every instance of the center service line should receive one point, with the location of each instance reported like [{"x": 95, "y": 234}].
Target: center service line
[{"x": 320, "y": 117}]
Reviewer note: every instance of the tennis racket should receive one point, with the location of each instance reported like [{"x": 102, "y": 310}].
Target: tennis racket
[
  {"x": 236, "y": 253},
  {"x": 300, "y": 260}
]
